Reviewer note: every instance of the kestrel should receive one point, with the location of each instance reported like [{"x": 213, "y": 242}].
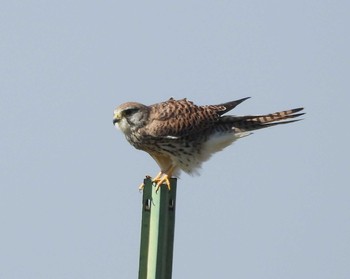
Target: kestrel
[{"x": 180, "y": 135}]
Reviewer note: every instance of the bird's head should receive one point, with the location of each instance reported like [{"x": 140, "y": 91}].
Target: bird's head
[{"x": 130, "y": 116}]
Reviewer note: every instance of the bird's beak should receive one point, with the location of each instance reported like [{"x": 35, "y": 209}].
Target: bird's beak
[{"x": 117, "y": 117}]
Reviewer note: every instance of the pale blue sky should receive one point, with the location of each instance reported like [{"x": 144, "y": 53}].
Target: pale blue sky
[{"x": 274, "y": 205}]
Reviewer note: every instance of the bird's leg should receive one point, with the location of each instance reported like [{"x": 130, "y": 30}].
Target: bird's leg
[
  {"x": 165, "y": 178},
  {"x": 157, "y": 178}
]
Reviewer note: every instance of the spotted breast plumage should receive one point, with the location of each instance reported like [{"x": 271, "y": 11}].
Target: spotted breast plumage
[{"x": 180, "y": 135}]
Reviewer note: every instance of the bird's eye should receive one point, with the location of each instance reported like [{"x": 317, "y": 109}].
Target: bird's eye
[{"x": 129, "y": 111}]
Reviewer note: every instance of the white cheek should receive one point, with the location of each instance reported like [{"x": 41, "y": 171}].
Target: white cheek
[{"x": 124, "y": 126}]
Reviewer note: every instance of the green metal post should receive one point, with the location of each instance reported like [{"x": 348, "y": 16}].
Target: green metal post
[{"x": 157, "y": 231}]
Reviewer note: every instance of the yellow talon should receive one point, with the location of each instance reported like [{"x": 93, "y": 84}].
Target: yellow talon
[
  {"x": 157, "y": 178},
  {"x": 142, "y": 185},
  {"x": 164, "y": 179},
  {"x": 161, "y": 178}
]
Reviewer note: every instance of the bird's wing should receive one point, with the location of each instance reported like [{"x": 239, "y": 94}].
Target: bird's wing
[{"x": 179, "y": 118}]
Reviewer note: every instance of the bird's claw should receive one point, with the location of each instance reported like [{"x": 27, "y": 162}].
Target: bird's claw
[
  {"x": 160, "y": 181},
  {"x": 142, "y": 185}
]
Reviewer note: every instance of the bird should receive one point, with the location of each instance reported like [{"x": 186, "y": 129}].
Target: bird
[{"x": 180, "y": 135}]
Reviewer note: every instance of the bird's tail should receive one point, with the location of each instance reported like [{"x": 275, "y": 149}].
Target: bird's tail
[{"x": 255, "y": 122}]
